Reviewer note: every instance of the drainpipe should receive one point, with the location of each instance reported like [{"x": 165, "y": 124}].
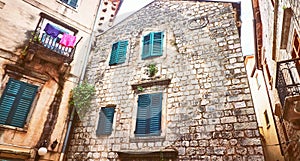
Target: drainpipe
[
  {"x": 275, "y": 30},
  {"x": 62, "y": 156}
]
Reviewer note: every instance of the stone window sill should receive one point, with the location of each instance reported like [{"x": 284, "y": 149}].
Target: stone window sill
[
  {"x": 147, "y": 139},
  {"x": 150, "y": 83},
  {"x": 13, "y": 128}
]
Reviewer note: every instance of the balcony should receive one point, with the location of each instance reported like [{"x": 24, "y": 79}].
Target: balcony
[
  {"x": 51, "y": 41},
  {"x": 288, "y": 88}
]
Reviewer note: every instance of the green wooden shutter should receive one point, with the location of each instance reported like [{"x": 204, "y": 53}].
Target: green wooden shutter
[
  {"x": 8, "y": 98},
  {"x": 118, "y": 53},
  {"x": 101, "y": 122},
  {"x": 147, "y": 46},
  {"x": 157, "y": 41},
  {"x": 155, "y": 114},
  {"x": 121, "y": 52},
  {"x": 114, "y": 56},
  {"x": 15, "y": 102},
  {"x": 24, "y": 103},
  {"x": 73, "y": 3},
  {"x": 142, "y": 122},
  {"x": 106, "y": 117}
]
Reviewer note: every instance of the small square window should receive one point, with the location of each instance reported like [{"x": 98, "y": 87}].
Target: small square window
[
  {"x": 118, "y": 53},
  {"x": 257, "y": 81},
  {"x": 72, "y": 3},
  {"x": 267, "y": 119},
  {"x": 148, "y": 122},
  {"x": 106, "y": 117},
  {"x": 152, "y": 45}
]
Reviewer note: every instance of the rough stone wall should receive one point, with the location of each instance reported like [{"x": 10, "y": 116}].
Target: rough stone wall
[{"x": 207, "y": 111}]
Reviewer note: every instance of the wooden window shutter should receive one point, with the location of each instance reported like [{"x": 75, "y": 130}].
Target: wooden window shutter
[
  {"x": 118, "y": 53},
  {"x": 157, "y": 42},
  {"x": 16, "y": 102},
  {"x": 142, "y": 114},
  {"x": 149, "y": 114},
  {"x": 73, "y": 3},
  {"x": 155, "y": 118},
  {"x": 106, "y": 117},
  {"x": 113, "y": 56},
  {"x": 147, "y": 46},
  {"x": 122, "y": 49},
  {"x": 152, "y": 44}
]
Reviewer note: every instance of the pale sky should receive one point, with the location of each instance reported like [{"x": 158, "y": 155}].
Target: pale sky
[{"x": 247, "y": 39}]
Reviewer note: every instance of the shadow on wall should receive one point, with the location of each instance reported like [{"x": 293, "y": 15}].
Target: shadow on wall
[{"x": 24, "y": 44}]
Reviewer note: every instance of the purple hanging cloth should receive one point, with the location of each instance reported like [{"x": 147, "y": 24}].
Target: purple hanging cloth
[{"x": 51, "y": 30}]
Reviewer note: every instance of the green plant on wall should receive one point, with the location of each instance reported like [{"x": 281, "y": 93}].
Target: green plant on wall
[
  {"x": 81, "y": 98},
  {"x": 152, "y": 69},
  {"x": 140, "y": 88},
  {"x": 34, "y": 38}
]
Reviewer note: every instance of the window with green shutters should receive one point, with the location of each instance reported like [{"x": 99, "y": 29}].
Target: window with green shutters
[
  {"x": 148, "y": 122},
  {"x": 72, "y": 3},
  {"x": 15, "y": 102},
  {"x": 118, "y": 53},
  {"x": 153, "y": 45},
  {"x": 106, "y": 117}
]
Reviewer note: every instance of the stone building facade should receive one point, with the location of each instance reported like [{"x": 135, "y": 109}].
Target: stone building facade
[
  {"x": 277, "y": 57},
  {"x": 38, "y": 71},
  {"x": 196, "y": 105}
]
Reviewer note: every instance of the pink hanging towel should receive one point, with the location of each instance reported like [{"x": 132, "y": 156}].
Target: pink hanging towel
[{"x": 68, "y": 40}]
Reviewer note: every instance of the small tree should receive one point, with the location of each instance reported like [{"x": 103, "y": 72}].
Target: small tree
[{"x": 81, "y": 98}]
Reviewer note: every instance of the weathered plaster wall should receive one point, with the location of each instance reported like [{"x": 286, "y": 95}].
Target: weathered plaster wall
[
  {"x": 19, "y": 25},
  {"x": 18, "y": 19},
  {"x": 262, "y": 105},
  {"x": 208, "y": 113}
]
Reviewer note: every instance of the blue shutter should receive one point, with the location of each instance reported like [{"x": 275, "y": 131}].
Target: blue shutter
[
  {"x": 113, "y": 55},
  {"x": 16, "y": 102},
  {"x": 147, "y": 46},
  {"x": 157, "y": 42},
  {"x": 109, "y": 116},
  {"x": 101, "y": 123},
  {"x": 24, "y": 103},
  {"x": 106, "y": 117},
  {"x": 142, "y": 124},
  {"x": 122, "y": 49},
  {"x": 73, "y": 3},
  {"x": 8, "y": 99},
  {"x": 155, "y": 114},
  {"x": 118, "y": 53}
]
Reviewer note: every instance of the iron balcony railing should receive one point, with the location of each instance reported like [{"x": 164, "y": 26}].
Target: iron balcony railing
[
  {"x": 288, "y": 80},
  {"x": 52, "y": 43}
]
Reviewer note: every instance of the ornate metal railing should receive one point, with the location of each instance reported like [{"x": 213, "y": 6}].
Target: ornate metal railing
[
  {"x": 52, "y": 43},
  {"x": 288, "y": 80}
]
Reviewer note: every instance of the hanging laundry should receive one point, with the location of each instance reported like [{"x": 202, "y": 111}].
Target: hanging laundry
[
  {"x": 51, "y": 30},
  {"x": 68, "y": 40}
]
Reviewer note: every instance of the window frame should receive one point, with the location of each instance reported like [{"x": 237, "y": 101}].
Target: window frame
[
  {"x": 147, "y": 130},
  {"x": 151, "y": 53},
  {"x": 267, "y": 119},
  {"x": 101, "y": 125},
  {"x": 17, "y": 99},
  {"x": 119, "y": 51},
  {"x": 67, "y": 3}
]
